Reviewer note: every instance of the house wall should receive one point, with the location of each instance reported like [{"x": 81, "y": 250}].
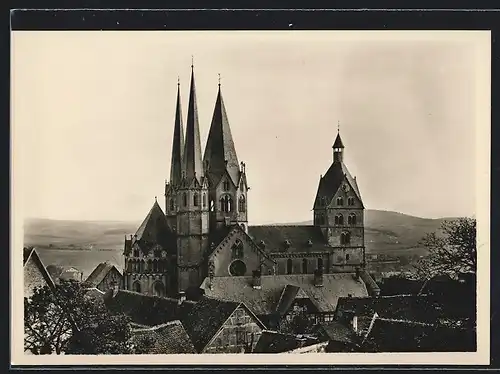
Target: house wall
[
  {"x": 113, "y": 277},
  {"x": 33, "y": 276},
  {"x": 239, "y": 334}
]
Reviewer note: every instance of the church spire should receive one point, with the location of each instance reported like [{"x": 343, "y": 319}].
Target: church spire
[
  {"x": 192, "y": 148},
  {"x": 178, "y": 142},
  {"x": 338, "y": 148},
  {"x": 220, "y": 153}
]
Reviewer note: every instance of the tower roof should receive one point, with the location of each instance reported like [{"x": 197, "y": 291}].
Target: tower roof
[
  {"x": 192, "y": 149},
  {"x": 332, "y": 180},
  {"x": 178, "y": 143},
  {"x": 220, "y": 153},
  {"x": 338, "y": 142}
]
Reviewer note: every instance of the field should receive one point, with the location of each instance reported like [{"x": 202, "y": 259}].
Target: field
[{"x": 84, "y": 244}]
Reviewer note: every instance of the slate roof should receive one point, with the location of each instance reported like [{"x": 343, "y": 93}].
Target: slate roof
[
  {"x": 153, "y": 231},
  {"x": 265, "y": 301},
  {"x": 275, "y": 237},
  {"x": 389, "y": 335},
  {"x": 338, "y": 142},
  {"x": 177, "y": 143},
  {"x": 220, "y": 146},
  {"x": 168, "y": 338},
  {"x": 96, "y": 277},
  {"x": 144, "y": 309},
  {"x": 336, "y": 331},
  {"x": 332, "y": 180},
  {"x": 275, "y": 342},
  {"x": 207, "y": 317}
]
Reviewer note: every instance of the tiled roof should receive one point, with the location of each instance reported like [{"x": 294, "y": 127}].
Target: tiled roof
[
  {"x": 331, "y": 181},
  {"x": 264, "y": 301},
  {"x": 275, "y": 238},
  {"x": 275, "y": 342},
  {"x": 337, "y": 331},
  {"x": 144, "y": 309},
  {"x": 206, "y": 318},
  {"x": 168, "y": 338},
  {"x": 286, "y": 299},
  {"x": 389, "y": 335},
  {"x": 99, "y": 273},
  {"x": 154, "y": 230},
  {"x": 220, "y": 153}
]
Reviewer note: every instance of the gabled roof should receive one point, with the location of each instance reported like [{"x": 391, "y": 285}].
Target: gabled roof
[
  {"x": 274, "y": 238},
  {"x": 332, "y": 180},
  {"x": 31, "y": 254},
  {"x": 286, "y": 299},
  {"x": 275, "y": 342},
  {"x": 99, "y": 273},
  {"x": 264, "y": 301},
  {"x": 207, "y": 317},
  {"x": 336, "y": 331},
  {"x": 168, "y": 338},
  {"x": 154, "y": 230},
  {"x": 220, "y": 153},
  {"x": 144, "y": 309},
  {"x": 177, "y": 143}
]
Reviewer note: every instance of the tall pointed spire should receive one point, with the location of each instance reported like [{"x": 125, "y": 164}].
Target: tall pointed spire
[
  {"x": 220, "y": 153},
  {"x": 192, "y": 149},
  {"x": 178, "y": 142}
]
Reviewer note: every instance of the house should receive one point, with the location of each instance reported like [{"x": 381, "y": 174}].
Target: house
[
  {"x": 276, "y": 342},
  {"x": 104, "y": 277},
  {"x": 35, "y": 273},
  {"x": 340, "y": 338},
  {"x": 168, "y": 338},
  {"x": 147, "y": 310},
  {"x": 275, "y": 298},
  {"x": 219, "y": 326}
]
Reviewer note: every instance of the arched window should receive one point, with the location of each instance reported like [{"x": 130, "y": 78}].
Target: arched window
[
  {"x": 242, "y": 185},
  {"x": 158, "y": 289},
  {"x": 225, "y": 203},
  {"x": 320, "y": 264},
  {"x": 136, "y": 252},
  {"x": 347, "y": 257},
  {"x": 289, "y": 266},
  {"x": 237, "y": 268},
  {"x": 340, "y": 201},
  {"x": 212, "y": 205},
  {"x": 204, "y": 200},
  {"x": 304, "y": 266},
  {"x": 225, "y": 185},
  {"x": 184, "y": 199},
  {"x": 142, "y": 266},
  {"x": 350, "y": 201},
  {"x": 195, "y": 199},
  {"x": 150, "y": 265},
  {"x": 136, "y": 286},
  {"x": 351, "y": 220},
  {"x": 172, "y": 204},
  {"x": 241, "y": 204},
  {"x": 339, "y": 219},
  {"x": 237, "y": 249},
  {"x": 345, "y": 238}
]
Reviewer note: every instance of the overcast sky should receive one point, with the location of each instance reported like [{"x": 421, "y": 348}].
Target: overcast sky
[{"x": 94, "y": 114}]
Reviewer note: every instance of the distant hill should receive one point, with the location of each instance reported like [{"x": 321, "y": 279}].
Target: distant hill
[{"x": 385, "y": 232}]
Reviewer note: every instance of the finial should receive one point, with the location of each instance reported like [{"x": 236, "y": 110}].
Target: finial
[
  {"x": 219, "y": 79},
  {"x": 192, "y": 62},
  {"x": 155, "y": 198},
  {"x": 338, "y": 126},
  {"x": 178, "y": 80}
]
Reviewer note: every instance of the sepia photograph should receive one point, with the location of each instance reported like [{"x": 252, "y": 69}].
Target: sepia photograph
[{"x": 184, "y": 195}]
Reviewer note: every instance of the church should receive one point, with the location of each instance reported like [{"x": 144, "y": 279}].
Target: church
[{"x": 202, "y": 239}]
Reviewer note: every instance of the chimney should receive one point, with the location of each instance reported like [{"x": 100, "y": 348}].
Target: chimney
[
  {"x": 182, "y": 297},
  {"x": 355, "y": 324},
  {"x": 256, "y": 279},
  {"x": 318, "y": 278}
]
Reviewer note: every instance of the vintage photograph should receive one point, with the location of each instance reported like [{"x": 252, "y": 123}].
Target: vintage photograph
[{"x": 249, "y": 192}]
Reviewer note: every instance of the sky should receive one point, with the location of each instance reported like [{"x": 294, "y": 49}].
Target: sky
[{"x": 93, "y": 115}]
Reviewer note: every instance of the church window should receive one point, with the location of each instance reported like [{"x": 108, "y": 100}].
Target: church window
[
  {"x": 142, "y": 266},
  {"x": 185, "y": 199},
  {"x": 304, "y": 266},
  {"x": 136, "y": 252},
  {"x": 242, "y": 185},
  {"x": 351, "y": 219},
  {"x": 225, "y": 203},
  {"x": 340, "y": 201},
  {"x": 345, "y": 238},
  {"x": 237, "y": 268},
  {"x": 204, "y": 200},
  {"x": 347, "y": 257},
  {"x": 320, "y": 264},
  {"x": 339, "y": 219},
  {"x": 289, "y": 266},
  {"x": 158, "y": 289},
  {"x": 212, "y": 206},
  {"x": 195, "y": 199},
  {"x": 172, "y": 205},
  {"x": 136, "y": 286},
  {"x": 225, "y": 185},
  {"x": 237, "y": 249},
  {"x": 241, "y": 204},
  {"x": 157, "y": 252},
  {"x": 350, "y": 201}
]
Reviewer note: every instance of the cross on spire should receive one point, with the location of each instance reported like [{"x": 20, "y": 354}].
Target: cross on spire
[
  {"x": 338, "y": 126},
  {"x": 219, "y": 79}
]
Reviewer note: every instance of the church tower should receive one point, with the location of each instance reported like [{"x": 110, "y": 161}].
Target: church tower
[
  {"x": 227, "y": 177},
  {"x": 339, "y": 212},
  {"x": 192, "y": 203},
  {"x": 172, "y": 185}
]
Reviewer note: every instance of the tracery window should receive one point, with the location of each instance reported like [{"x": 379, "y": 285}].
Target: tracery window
[
  {"x": 339, "y": 219},
  {"x": 242, "y": 204}
]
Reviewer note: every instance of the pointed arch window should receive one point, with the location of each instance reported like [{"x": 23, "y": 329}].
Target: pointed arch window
[
  {"x": 237, "y": 249},
  {"x": 136, "y": 252},
  {"x": 345, "y": 238},
  {"x": 136, "y": 286},
  {"x": 350, "y": 201},
  {"x": 304, "y": 266},
  {"x": 242, "y": 204},
  {"x": 204, "y": 200},
  {"x": 289, "y": 266},
  {"x": 225, "y": 185},
  {"x": 340, "y": 201},
  {"x": 226, "y": 203},
  {"x": 347, "y": 257},
  {"x": 351, "y": 220},
  {"x": 172, "y": 204},
  {"x": 339, "y": 219},
  {"x": 320, "y": 264},
  {"x": 195, "y": 199},
  {"x": 184, "y": 199}
]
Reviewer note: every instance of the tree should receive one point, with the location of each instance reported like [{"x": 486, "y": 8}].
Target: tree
[
  {"x": 66, "y": 320},
  {"x": 54, "y": 271},
  {"x": 452, "y": 252}
]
